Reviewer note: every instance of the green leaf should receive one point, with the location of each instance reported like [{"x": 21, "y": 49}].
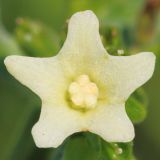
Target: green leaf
[
  {"x": 88, "y": 146},
  {"x": 79, "y": 148},
  {"x": 57, "y": 153},
  {"x": 37, "y": 39},
  {"x": 136, "y": 106}
]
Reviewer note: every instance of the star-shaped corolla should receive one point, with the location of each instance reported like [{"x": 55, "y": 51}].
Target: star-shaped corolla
[{"x": 83, "y": 88}]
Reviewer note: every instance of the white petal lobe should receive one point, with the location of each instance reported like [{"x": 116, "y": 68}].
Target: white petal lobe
[
  {"x": 126, "y": 73},
  {"x": 56, "y": 123},
  {"x": 112, "y": 124},
  {"x": 43, "y": 75},
  {"x": 83, "y": 35}
]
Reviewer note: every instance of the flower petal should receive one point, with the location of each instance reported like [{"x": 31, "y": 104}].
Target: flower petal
[
  {"x": 124, "y": 74},
  {"x": 55, "y": 124},
  {"x": 112, "y": 124},
  {"x": 83, "y": 35},
  {"x": 43, "y": 75},
  {"x": 83, "y": 50}
]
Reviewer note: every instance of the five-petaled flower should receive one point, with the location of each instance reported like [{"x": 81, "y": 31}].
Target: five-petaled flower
[{"x": 83, "y": 88}]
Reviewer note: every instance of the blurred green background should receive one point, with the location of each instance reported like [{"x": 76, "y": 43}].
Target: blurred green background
[{"x": 38, "y": 28}]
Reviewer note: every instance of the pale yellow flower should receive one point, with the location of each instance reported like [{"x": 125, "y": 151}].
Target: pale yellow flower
[{"x": 83, "y": 88}]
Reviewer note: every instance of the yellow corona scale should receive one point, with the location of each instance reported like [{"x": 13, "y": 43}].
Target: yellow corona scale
[{"x": 83, "y": 88}]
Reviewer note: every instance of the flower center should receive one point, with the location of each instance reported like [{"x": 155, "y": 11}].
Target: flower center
[{"x": 83, "y": 93}]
